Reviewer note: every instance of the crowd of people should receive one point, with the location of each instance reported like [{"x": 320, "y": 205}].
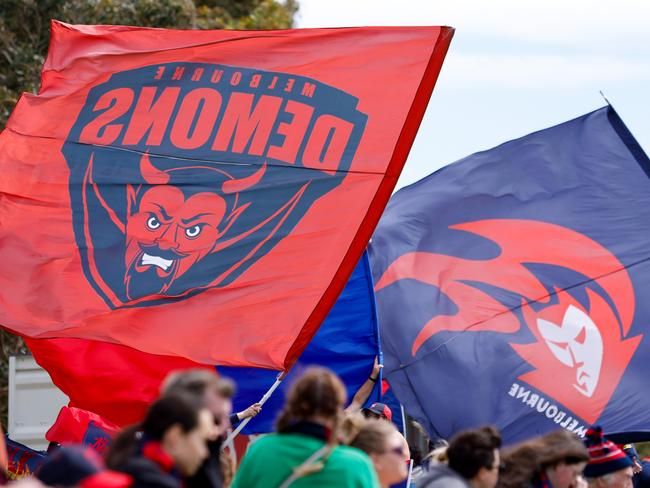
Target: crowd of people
[{"x": 320, "y": 443}]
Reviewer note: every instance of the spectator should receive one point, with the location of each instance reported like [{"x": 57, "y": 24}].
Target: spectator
[
  {"x": 631, "y": 452},
  {"x": 437, "y": 455},
  {"x": 77, "y": 466},
  {"x": 556, "y": 459},
  {"x": 378, "y": 411},
  {"x": 473, "y": 457},
  {"x": 387, "y": 449},
  {"x": 303, "y": 453},
  {"x": 608, "y": 465},
  {"x": 172, "y": 444},
  {"x": 216, "y": 394}
]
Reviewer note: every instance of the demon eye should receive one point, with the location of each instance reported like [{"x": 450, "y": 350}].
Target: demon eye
[
  {"x": 582, "y": 335},
  {"x": 153, "y": 223},
  {"x": 193, "y": 231}
]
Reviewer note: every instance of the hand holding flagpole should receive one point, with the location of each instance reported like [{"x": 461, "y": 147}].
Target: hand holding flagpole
[{"x": 262, "y": 401}]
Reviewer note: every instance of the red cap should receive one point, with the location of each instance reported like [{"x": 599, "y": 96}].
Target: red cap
[{"x": 382, "y": 410}]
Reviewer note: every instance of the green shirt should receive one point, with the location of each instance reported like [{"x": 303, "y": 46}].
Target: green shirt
[{"x": 270, "y": 460}]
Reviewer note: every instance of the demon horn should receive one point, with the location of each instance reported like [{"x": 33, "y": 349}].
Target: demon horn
[
  {"x": 150, "y": 173},
  {"x": 235, "y": 186}
]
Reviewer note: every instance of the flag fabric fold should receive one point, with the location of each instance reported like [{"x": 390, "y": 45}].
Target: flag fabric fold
[
  {"x": 77, "y": 426},
  {"x": 167, "y": 187},
  {"x": 510, "y": 285},
  {"x": 116, "y": 383},
  {"x": 347, "y": 343}
]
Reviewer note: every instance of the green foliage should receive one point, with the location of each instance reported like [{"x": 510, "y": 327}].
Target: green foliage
[
  {"x": 247, "y": 14},
  {"x": 147, "y": 13},
  {"x": 25, "y": 28},
  {"x": 269, "y": 14},
  {"x": 25, "y": 34},
  {"x": 643, "y": 448}
]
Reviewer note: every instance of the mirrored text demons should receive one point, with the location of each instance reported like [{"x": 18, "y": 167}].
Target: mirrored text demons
[{"x": 215, "y": 109}]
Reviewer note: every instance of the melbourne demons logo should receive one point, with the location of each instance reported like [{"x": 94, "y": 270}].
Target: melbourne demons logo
[
  {"x": 582, "y": 345},
  {"x": 183, "y": 175}
]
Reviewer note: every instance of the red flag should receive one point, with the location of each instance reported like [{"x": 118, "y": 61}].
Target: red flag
[
  {"x": 116, "y": 382},
  {"x": 77, "y": 426},
  {"x": 204, "y": 194}
]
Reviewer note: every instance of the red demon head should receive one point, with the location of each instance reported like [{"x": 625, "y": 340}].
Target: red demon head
[
  {"x": 170, "y": 227},
  {"x": 181, "y": 229},
  {"x": 582, "y": 350}
]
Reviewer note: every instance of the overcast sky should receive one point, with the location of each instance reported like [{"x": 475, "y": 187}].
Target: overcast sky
[{"x": 514, "y": 67}]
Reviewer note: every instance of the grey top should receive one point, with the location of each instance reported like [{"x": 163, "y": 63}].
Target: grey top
[{"x": 442, "y": 476}]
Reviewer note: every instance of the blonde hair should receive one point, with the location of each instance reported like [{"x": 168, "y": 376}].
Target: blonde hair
[
  {"x": 438, "y": 455},
  {"x": 373, "y": 436},
  {"x": 351, "y": 424}
]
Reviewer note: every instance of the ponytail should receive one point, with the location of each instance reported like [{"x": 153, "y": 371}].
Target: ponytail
[{"x": 123, "y": 446}]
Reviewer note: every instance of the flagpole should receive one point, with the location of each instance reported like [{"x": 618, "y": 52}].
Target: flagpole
[
  {"x": 604, "y": 97},
  {"x": 266, "y": 396}
]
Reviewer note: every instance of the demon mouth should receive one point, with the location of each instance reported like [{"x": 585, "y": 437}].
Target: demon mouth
[{"x": 164, "y": 264}]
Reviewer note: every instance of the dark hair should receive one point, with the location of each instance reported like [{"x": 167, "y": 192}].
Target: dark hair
[
  {"x": 197, "y": 382},
  {"x": 525, "y": 461},
  {"x": 319, "y": 392},
  {"x": 471, "y": 450},
  {"x": 167, "y": 411}
]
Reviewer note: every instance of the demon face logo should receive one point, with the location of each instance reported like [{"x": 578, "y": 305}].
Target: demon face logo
[
  {"x": 183, "y": 175},
  {"x": 171, "y": 228},
  {"x": 576, "y": 343},
  {"x": 582, "y": 346}
]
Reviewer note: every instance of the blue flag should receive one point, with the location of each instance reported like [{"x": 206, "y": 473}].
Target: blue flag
[
  {"x": 347, "y": 343},
  {"x": 389, "y": 399},
  {"x": 21, "y": 460},
  {"x": 510, "y": 285}
]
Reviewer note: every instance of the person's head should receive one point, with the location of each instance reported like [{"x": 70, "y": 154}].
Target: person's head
[
  {"x": 608, "y": 465},
  {"x": 386, "y": 448},
  {"x": 317, "y": 396},
  {"x": 378, "y": 411},
  {"x": 180, "y": 425},
  {"x": 618, "y": 479},
  {"x": 563, "y": 458},
  {"x": 183, "y": 427},
  {"x": 216, "y": 393},
  {"x": 560, "y": 455},
  {"x": 474, "y": 454},
  {"x": 81, "y": 467}
]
